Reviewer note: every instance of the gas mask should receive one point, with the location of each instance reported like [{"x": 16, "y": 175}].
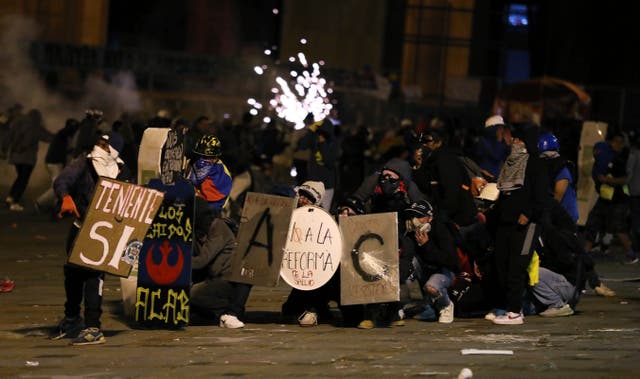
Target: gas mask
[
  {"x": 388, "y": 185},
  {"x": 414, "y": 225}
]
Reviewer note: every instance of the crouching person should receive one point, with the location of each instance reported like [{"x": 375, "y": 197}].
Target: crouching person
[
  {"x": 435, "y": 249},
  {"x": 213, "y": 249},
  {"x": 551, "y": 295}
]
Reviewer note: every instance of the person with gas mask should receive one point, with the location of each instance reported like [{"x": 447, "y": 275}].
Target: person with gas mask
[
  {"x": 75, "y": 186},
  {"x": 390, "y": 195},
  {"x": 432, "y": 241},
  {"x": 370, "y": 186},
  {"x": 208, "y": 174}
]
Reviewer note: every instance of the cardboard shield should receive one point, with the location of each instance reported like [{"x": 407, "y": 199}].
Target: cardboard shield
[
  {"x": 369, "y": 268},
  {"x": 150, "y": 154},
  {"x": 313, "y": 250},
  {"x": 261, "y": 239},
  {"x": 164, "y": 270},
  {"x": 592, "y": 133},
  {"x": 115, "y": 226}
]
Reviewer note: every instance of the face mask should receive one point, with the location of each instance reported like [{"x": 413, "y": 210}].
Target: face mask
[
  {"x": 105, "y": 163},
  {"x": 388, "y": 185},
  {"x": 201, "y": 169}
]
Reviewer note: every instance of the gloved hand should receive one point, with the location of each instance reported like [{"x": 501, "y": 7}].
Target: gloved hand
[{"x": 68, "y": 206}]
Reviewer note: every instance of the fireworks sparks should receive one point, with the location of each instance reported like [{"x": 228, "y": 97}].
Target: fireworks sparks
[{"x": 302, "y": 94}]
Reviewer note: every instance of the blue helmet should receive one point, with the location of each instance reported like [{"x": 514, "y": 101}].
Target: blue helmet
[{"x": 548, "y": 142}]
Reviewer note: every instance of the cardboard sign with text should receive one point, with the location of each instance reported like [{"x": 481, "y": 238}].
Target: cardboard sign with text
[
  {"x": 261, "y": 239},
  {"x": 115, "y": 226},
  {"x": 313, "y": 250},
  {"x": 164, "y": 272},
  {"x": 172, "y": 158},
  {"x": 369, "y": 270}
]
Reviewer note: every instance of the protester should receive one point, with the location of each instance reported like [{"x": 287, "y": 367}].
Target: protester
[
  {"x": 57, "y": 156},
  {"x": 208, "y": 173},
  {"x": 610, "y": 212},
  {"x": 6, "y": 119},
  {"x": 323, "y": 147},
  {"x": 560, "y": 173},
  {"x": 633, "y": 178},
  {"x": 306, "y": 305},
  {"x": 213, "y": 251},
  {"x": 24, "y": 136},
  {"x": 521, "y": 208},
  {"x": 434, "y": 245},
  {"x": 491, "y": 151},
  {"x": 443, "y": 179},
  {"x": 85, "y": 138},
  {"x": 390, "y": 195},
  {"x": 75, "y": 186}
]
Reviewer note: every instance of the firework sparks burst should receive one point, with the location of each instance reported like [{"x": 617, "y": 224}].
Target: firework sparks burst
[{"x": 303, "y": 93}]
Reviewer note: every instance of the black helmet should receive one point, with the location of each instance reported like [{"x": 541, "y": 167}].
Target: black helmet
[
  {"x": 208, "y": 146},
  {"x": 354, "y": 203}
]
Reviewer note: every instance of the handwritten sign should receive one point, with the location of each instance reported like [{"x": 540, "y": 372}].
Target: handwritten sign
[
  {"x": 313, "y": 250},
  {"x": 164, "y": 270},
  {"x": 117, "y": 220},
  {"x": 369, "y": 268},
  {"x": 261, "y": 238},
  {"x": 172, "y": 157}
]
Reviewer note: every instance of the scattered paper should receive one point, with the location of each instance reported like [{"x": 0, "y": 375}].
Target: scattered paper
[{"x": 485, "y": 351}]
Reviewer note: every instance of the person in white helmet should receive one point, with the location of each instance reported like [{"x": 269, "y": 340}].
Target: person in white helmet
[{"x": 491, "y": 150}]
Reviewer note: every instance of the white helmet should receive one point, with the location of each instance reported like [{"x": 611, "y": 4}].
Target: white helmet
[{"x": 496, "y": 120}]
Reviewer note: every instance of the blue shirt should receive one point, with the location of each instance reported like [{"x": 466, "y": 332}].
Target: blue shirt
[{"x": 569, "y": 201}]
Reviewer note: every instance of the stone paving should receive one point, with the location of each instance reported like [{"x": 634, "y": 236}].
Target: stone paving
[{"x": 600, "y": 341}]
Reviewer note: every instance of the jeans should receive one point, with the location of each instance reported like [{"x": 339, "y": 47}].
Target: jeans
[
  {"x": 552, "y": 290},
  {"x": 440, "y": 281}
]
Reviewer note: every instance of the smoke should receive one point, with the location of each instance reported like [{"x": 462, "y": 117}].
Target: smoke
[{"x": 20, "y": 81}]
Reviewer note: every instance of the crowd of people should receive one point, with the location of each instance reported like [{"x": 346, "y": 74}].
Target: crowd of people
[{"x": 487, "y": 220}]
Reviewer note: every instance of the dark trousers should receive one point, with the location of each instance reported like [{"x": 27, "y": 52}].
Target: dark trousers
[
  {"x": 513, "y": 248},
  {"x": 20, "y": 184},
  {"x": 216, "y": 297},
  {"x": 82, "y": 283},
  {"x": 635, "y": 222}
]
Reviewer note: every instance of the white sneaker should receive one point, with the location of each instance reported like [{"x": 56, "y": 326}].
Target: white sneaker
[
  {"x": 16, "y": 207},
  {"x": 230, "y": 322},
  {"x": 446, "y": 314},
  {"x": 495, "y": 312},
  {"x": 308, "y": 319},
  {"x": 510, "y": 318}
]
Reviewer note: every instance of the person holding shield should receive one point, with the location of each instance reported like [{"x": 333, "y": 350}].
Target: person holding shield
[
  {"x": 306, "y": 304},
  {"x": 75, "y": 186}
]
